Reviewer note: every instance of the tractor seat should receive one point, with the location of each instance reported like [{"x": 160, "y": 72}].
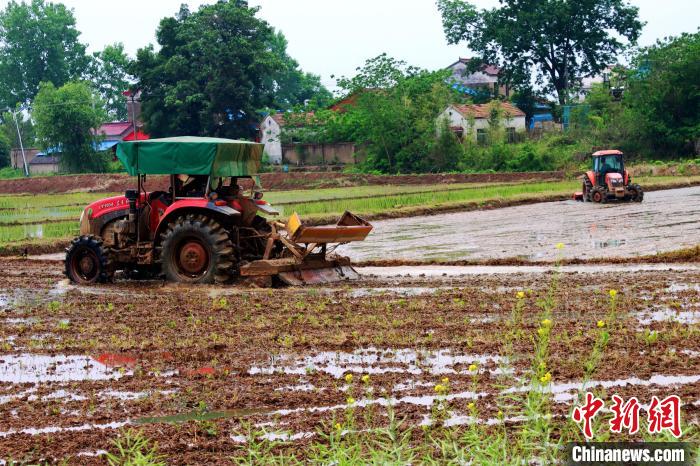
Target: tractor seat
[{"x": 162, "y": 195}]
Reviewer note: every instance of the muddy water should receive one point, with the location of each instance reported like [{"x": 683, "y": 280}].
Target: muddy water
[{"x": 665, "y": 221}]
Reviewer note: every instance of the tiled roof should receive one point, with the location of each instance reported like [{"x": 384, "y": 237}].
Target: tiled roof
[
  {"x": 282, "y": 121},
  {"x": 113, "y": 129},
  {"x": 483, "y": 110}
]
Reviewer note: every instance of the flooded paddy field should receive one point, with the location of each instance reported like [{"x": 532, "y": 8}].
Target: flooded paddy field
[
  {"x": 204, "y": 371},
  {"x": 665, "y": 221}
]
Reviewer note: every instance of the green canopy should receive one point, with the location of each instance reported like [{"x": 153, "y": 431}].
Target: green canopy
[{"x": 189, "y": 155}]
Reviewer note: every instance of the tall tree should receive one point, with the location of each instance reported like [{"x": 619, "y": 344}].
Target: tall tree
[
  {"x": 663, "y": 92},
  {"x": 4, "y": 150},
  {"x": 290, "y": 86},
  {"x": 394, "y": 116},
  {"x": 561, "y": 40},
  {"x": 38, "y": 43},
  {"x": 109, "y": 72},
  {"x": 66, "y": 118},
  {"x": 210, "y": 75}
]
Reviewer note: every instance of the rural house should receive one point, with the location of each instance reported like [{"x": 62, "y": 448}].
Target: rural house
[
  {"x": 271, "y": 133},
  {"x": 472, "y": 121},
  {"x": 112, "y": 133},
  {"x": 274, "y": 127},
  {"x": 484, "y": 80}
]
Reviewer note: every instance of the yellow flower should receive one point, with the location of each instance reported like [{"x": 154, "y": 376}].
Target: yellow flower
[
  {"x": 500, "y": 413},
  {"x": 612, "y": 293},
  {"x": 546, "y": 378},
  {"x": 348, "y": 378},
  {"x": 560, "y": 246},
  {"x": 338, "y": 426},
  {"x": 350, "y": 400},
  {"x": 472, "y": 368},
  {"x": 601, "y": 323},
  {"x": 471, "y": 406},
  {"x": 541, "y": 331},
  {"x": 546, "y": 323},
  {"x": 365, "y": 378},
  {"x": 520, "y": 295},
  {"x": 445, "y": 380},
  {"x": 440, "y": 388}
]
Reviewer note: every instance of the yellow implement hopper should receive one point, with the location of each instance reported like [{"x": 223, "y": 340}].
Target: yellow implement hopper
[{"x": 305, "y": 259}]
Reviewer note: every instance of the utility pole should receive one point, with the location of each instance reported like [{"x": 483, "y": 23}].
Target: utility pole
[{"x": 21, "y": 146}]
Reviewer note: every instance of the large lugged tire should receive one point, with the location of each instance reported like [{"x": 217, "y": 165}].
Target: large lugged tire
[
  {"x": 87, "y": 261},
  {"x": 637, "y": 193},
  {"x": 599, "y": 195},
  {"x": 586, "y": 189},
  {"x": 196, "y": 250}
]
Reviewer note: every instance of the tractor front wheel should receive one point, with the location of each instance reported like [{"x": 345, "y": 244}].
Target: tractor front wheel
[
  {"x": 636, "y": 193},
  {"x": 87, "y": 262},
  {"x": 599, "y": 195},
  {"x": 196, "y": 250}
]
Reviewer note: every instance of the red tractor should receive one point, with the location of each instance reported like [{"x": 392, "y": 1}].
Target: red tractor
[
  {"x": 609, "y": 180},
  {"x": 204, "y": 229}
]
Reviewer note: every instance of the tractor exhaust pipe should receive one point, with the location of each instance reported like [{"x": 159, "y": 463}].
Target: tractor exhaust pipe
[{"x": 131, "y": 196}]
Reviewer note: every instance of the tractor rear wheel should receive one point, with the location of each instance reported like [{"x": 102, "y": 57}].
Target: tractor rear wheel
[
  {"x": 637, "y": 194},
  {"x": 87, "y": 261},
  {"x": 599, "y": 195},
  {"x": 196, "y": 249},
  {"x": 586, "y": 189}
]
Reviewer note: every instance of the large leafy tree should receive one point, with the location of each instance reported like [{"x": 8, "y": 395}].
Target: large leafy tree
[
  {"x": 210, "y": 75},
  {"x": 38, "y": 43},
  {"x": 560, "y": 40},
  {"x": 663, "y": 92},
  {"x": 4, "y": 150},
  {"x": 65, "y": 120},
  {"x": 291, "y": 87},
  {"x": 394, "y": 116},
  {"x": 109, "y": 73}
]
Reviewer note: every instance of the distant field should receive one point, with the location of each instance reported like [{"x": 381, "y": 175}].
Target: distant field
[{"x": 38, "y": 218}]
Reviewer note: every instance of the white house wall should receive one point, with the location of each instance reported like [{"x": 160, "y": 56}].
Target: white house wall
[{"x": 270, "y": 132}]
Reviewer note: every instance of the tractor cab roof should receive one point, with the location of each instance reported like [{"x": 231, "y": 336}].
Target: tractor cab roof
[
  {"x": 607, "y": 152},
  {"x": 192, "y": 156}
]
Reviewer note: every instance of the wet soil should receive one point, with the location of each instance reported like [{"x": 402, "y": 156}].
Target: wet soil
[
  {"x": 666, "y": 220},
  {"x": 195, "y": 367},
  {"x": 271, "y": 181}
]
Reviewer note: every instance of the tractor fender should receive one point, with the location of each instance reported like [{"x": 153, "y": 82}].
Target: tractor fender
[
  {"x": 222, "y": 214},
  {"x": 626, "y": 177},
  {"x": 591, "y": 177}
]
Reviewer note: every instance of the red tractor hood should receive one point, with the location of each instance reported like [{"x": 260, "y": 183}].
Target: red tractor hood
[{"x": 613, "y": 178}]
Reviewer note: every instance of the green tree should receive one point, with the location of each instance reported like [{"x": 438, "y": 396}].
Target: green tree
[
  {"x": 663, "y": 92},
  {"x": 109, "y": 73},
  {"x": 65, "y": 119},
  {"x": 4, "y": 150},
  {"x": 38, "y": 43},
  {"x": 8, "y": 127},
  {"x": 211, "y": 73},
  {"x": 290, "y": 86},
  {"x": 561, "y": 40},
  {"x": 394, "y": 115}
]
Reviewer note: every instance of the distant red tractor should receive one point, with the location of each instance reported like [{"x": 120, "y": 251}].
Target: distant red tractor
[{"x": 609, "y": 180}]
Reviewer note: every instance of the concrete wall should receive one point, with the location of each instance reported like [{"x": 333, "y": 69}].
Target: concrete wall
[
  {"x": 320, "y": 154},
  {"x": 43, "y": 169},
  {"x": 270, "y": 136}
]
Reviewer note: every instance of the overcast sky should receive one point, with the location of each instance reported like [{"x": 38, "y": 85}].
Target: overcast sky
[{"x": 335, "y": 36}]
